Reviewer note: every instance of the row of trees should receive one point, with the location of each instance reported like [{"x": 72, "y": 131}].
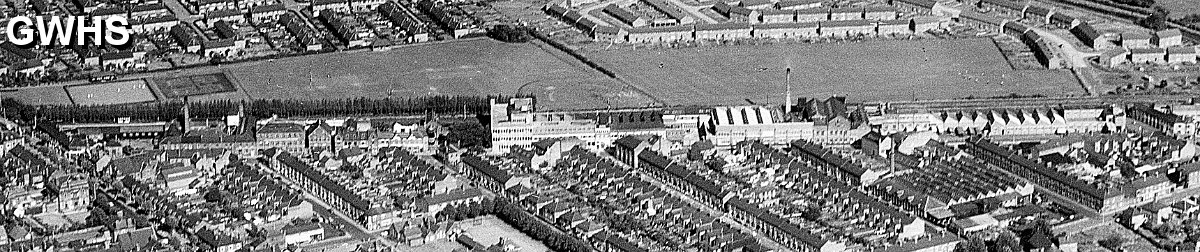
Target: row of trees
[
  {"x": 168, "y": 110},
  {"x": 534, "y": 227},
  {"x": 1156, "y": 20},
  {"x": 1138, "y": 3}
]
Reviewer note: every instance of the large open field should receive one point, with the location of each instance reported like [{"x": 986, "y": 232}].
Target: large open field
[
  {"x": 43, "y": 95},
  {"x": 469, "y": 67},
  {"x": 871, "y": 71},
  {"x": 127, "y": 91},
  {"x": 1180, "y": 8}
]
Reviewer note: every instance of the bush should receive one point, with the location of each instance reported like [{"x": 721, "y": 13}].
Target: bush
[{"x": 509, "y": 33}]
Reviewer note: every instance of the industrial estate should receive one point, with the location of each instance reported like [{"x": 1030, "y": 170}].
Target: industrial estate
[{"x": 606, "y": 125}]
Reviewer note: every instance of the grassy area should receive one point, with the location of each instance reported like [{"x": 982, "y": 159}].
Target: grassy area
[
  {"x": 470, "y": 67},
  {"x": 875, "y": 70},
  {"x": 194, "y": 85},
  {"x": 43, "y": 95},
  {"x": 489, "y": 230},
  {"x": 1180, "y": 8},
  {"x": 120, "y": 92}
]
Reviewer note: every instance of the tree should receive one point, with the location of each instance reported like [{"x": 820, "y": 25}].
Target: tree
[
  {"x": 1157, "y": 20},
  {"x": 1007, "y": 241},
  {"x": 972, "y": 244},
  {"x": 509, "y": 33},
  {"x": 213, "y": 196},
  {"x": 1113, "y": 242}
]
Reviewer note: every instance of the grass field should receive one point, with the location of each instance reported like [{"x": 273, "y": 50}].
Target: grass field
[
  {"x": 1180, "y": 8},
  {"x": 43, "y": 95},
  {"x": 870, "y": 71},
  {"x": 128, "y": 91},
  {"x": 469, "y": 67},
  {"x": 489, "y": 230},
  {"x": 202, "y": 84}
]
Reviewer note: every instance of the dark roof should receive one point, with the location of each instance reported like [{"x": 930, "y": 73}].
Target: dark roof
[
  {"x": 281, "y": 128},
  {"x": 790, "y": 3},
  {"x": 553, "y": 9},
  {"x": 338, "y": 190},
  {"x": 1181, "y": 50},
  {"x": 629, "y": 142},
  {"x": 116, "y": 56},
  {"x": 722, "y": 8},
  {"x": 1081, "y": 186},
  {"x": 1061, "y": 18},
  {"x": 847, "y": 23},
  {"x": 922, "y": 3},
  {"x": 486, "y": 168},
  {"x": 718, "y": 27},
  {"x": 1147, "y": 50},
  {"x": 223, "y": 13},
  {"x": 667, "y": 8},
  {"x": 1035, "y": 10},
  {"x": 621, "y": 13},
  {"x": 784, "y": 25},
  {"x": 267, "y": 8},
  {"x": 105, "y": 11},
  {"x": 1012, "y": 5},
  {"x": 1013, "y": 26},
  {"x": 148, "y": 7},
  {"x": 224, "y": 30},
  {"x": 9, "y": 47},
  {"x": 1169, "y": 33},
  {"x": 648, "y": 29},
  {"x": 1085, "y": 32}
]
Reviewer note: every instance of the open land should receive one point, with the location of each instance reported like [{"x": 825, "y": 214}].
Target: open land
[
  {"x": 874, "y": 70},
  {"x": 1180, "y": 8},
  {"x": 489, "y": 230},
  {"x": 39, "y": 95},
  {"x": 462, "y": 67},
  {"x": 202, "y": 84},
  {"x": 127, "y": 91},
  {"x": 470, "y": 67}
]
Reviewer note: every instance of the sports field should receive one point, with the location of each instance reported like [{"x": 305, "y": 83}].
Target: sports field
[
  {"x": 467, "y": 67},
  {"x": 863, "y": 71},
  {"x": 488, "y": 230},
  {"x": 1180, "y": 8},
  {"x": 202, "y": 84},
  {"x": 127, "y": 91},
  {"x": 42, "y": 95}
]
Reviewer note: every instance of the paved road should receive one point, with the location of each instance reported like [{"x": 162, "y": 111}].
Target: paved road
[
  {"x": 721, "y": 215},
  {"x": 355, "y": 229},
  {"x": 586, "y": 11},
  {"x": 1075, "y": 57}
]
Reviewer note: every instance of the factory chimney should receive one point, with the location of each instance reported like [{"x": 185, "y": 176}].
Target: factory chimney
[
  {"x": 187, "y": 116},
  {"x": 787, "y": 104}
]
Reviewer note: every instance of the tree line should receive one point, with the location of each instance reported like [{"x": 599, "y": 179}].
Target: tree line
[{"x": 170, "y": 110}]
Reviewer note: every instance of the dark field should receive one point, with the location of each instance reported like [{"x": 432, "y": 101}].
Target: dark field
[{"x": 203, "y": 84}]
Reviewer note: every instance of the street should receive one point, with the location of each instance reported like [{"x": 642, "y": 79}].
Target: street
[{"x": 356, "y": 230}]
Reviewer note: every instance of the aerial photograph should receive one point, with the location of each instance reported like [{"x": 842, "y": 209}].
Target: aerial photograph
[{"x": 600, "y": 125}]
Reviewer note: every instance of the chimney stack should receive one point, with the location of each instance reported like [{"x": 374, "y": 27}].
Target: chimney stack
[
  {"x": 787, "y": 104},
  {"x": 187, "y": 116}
]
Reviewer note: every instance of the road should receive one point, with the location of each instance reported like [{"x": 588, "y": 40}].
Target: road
[
  {"x": 1075, "y": 57},
  {"x": 721, "y": 215},
  {"x": 586, "y": 11},
  {"x": 355, "y": 229}
]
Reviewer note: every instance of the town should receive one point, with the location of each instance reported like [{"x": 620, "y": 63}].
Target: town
[{"x": 606, "y": 125}]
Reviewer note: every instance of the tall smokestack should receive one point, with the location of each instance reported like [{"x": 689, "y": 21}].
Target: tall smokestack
[
  {"x": 187, "y": 115},
  {"x": 787, "y": 104}
]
